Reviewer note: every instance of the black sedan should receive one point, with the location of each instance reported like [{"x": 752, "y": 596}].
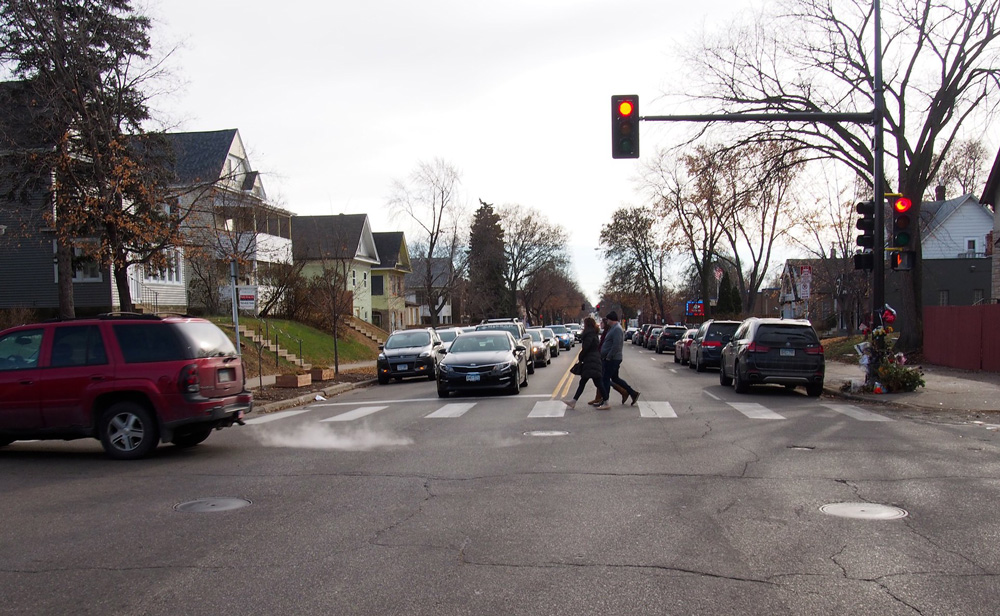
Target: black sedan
[{"x": 483, "y": 360}]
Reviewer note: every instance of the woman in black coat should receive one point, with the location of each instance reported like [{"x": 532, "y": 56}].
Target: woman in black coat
[{"x": 590, "y": 360}]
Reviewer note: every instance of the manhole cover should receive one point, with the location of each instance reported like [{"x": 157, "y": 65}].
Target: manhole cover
[
  {"x": 211, "y": 504},
  {"x": 546, "y": 433},
  {"x": 864, "y": 511}
]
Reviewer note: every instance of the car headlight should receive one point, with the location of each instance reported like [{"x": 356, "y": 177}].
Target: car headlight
[
  {"x": 382, "y": 357},
  {"x": 425, "y": 354},
  {"x": 507, "y": 366},
  {"x": 446, "y": 368}
]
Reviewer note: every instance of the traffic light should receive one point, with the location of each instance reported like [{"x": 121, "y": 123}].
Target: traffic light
[
  {"x": 625, "y": 126},
  {"x": 866, "y": 224},
  {"x": 902, "y": 232},
  {"x": 903, "y": 255}
]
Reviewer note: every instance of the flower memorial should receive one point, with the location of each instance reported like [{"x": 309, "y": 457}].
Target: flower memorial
[{"x": 887, "y": 371}]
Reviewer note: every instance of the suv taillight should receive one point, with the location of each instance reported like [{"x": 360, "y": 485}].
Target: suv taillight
[
  {"x": 189, "y": 381},
  {"x": 814, "y": 350},
  {"x": 756, "y": 347}
]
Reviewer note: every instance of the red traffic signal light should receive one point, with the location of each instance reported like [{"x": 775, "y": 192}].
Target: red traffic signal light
[
  {"x": 625, "y": 126},
  {"x": 902, "y": 233}
]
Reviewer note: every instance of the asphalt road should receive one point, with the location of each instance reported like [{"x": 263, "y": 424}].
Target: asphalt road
[{"x": 389, "y": 500}]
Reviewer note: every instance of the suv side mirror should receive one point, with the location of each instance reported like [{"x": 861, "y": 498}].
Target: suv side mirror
[{"x": 381, "y": 347}]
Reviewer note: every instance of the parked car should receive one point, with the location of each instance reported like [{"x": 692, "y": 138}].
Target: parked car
[
  {"x": 668, "y": 337},
  {"x": 516, "y": 329},
  {"x": 706, "y": 346},
  {"x": 483, "y": 360},
  {"x": 128, "y": 380},
  {"x": 682, "y": 348},
  {"x": 448, "y": 335},
  {"x": 540, "y": 353},
  {"x": 566, "y": 337},
  {"x": 782, "y": 351},
  {"x": 550, "y": 339},
  {"x": 650, "y": 341},
  {"x": 629, "y": 332},
  {"x": 410, "y": 352}
]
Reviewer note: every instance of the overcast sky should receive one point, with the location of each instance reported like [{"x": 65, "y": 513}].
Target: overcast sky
[{"x": 335, "y": 100}]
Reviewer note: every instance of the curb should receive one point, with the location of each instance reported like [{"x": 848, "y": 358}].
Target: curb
[{"x": 333, "y": 390}]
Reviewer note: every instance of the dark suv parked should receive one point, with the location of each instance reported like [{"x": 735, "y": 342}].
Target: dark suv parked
[
  {"x": 669, "y": 337},
  {"x": 706, "y": 346},
  {"x": 129, "y": 380},
  {"x": 410, "y": 352},
  {"x": 782, "y": 351}
]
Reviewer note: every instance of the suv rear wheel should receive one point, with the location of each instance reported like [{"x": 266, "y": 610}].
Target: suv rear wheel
[{"x": 128, "y": 431}]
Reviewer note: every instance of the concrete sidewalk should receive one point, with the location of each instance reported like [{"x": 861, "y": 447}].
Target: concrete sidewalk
[
  {"x": 946, "y": 389},
  {"x": 254, "y": 383},
  {"x": 329, "y": 391}
]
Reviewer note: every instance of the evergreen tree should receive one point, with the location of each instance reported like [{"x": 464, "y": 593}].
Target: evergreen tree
[
  {"x": 487, "y": 297},
  {"x": 85, "y": 62},
  {"x": 729, "y": 302}
]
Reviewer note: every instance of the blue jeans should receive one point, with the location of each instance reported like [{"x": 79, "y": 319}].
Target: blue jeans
[{"x": 611, "y": 367}]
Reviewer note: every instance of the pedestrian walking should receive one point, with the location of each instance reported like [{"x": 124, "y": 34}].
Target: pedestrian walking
[
  {"x": 611, "y": 357},
  {"x": 590, "y": 361},
  {"x": 598, "y": 401}
]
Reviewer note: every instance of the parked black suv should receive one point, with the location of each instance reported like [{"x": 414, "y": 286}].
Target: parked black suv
[
  {"x": 410, "y": 352},
  {"x": 706, "y": 346},
  {"x": 129, "y": 380},
  {"x": 668, "y": 337},
  {"x": 783, "y": 351}
]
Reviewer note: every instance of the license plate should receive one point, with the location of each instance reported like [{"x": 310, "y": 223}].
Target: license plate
[
  {"x": 401, "y": 367},
  {"x": 787, "y": 353},
  {"x": 471, "y": 377},
  {"x": 227, "y": 375}
]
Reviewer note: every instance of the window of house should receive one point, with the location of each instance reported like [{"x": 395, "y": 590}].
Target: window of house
[
  {"x": 171, "y": 274},
  {"x": 354, "y": 278},
  {"x": 84, "y": 269},
  {"x": 378, "y": 285},
  {"x": 971, "y": 246},
  {"x": 943, "y": 297},
  {"x": 364, "y": 279}
]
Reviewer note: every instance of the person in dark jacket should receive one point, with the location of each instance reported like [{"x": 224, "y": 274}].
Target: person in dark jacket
[
  {"x": 598, "y": 401},
  {"x": 590, "y": 358}
]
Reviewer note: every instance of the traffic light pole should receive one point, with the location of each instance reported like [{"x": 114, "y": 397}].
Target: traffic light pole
[{"x": 878, "y": 175}]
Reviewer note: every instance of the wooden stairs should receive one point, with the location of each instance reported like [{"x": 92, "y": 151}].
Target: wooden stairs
[{"x": 270, "y": 346}]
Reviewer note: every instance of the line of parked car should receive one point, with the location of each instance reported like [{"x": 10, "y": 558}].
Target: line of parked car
[
  {"x": 496, "y": 354},
  {"x": 756, "y": 351}
]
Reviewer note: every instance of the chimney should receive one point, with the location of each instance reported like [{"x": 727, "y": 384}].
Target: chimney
[{"x": 939, "y": 193}]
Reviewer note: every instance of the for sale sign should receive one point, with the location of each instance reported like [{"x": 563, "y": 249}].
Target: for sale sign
[{"x": 247, "y": 298}]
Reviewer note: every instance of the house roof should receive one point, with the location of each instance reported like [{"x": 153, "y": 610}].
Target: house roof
[
  {"x": 201, "y": 157},
  {"x": 440, "y": 272},
  {"x": 992, "y": 188},
  {"x": 934, "y": 214},
  {"x": 341, "y": 236},
  {"x": 389, "y": 245}
]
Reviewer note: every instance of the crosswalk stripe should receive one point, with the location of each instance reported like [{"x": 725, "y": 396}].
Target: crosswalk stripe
[
  {"x": 452, "y": 410},
  {"x": 656, "y": 409},
  {"x": 855, "y": 412},
  {"x": 357, "y": 413},
  {"x": 548, "y": 408},
  {"x": 754, "y": 410},
  {"x": 272, "y": 417}
]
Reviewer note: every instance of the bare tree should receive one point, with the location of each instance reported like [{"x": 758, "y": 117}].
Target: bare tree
[
  {"x": 532, "y": 243},
  {"x": 696, "y": 202},
  {"x": 940, "y": 68},
  {"x": 963, "y": 169},
  {"x": 429, "y": 198},
  {"x": 635, "y": 247}
]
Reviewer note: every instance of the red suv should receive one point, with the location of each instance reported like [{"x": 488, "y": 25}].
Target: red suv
[{"x": 129, "y": 380}]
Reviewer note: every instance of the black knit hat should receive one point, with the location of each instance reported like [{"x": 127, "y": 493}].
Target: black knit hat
[{"x": 612, "y": 316}]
